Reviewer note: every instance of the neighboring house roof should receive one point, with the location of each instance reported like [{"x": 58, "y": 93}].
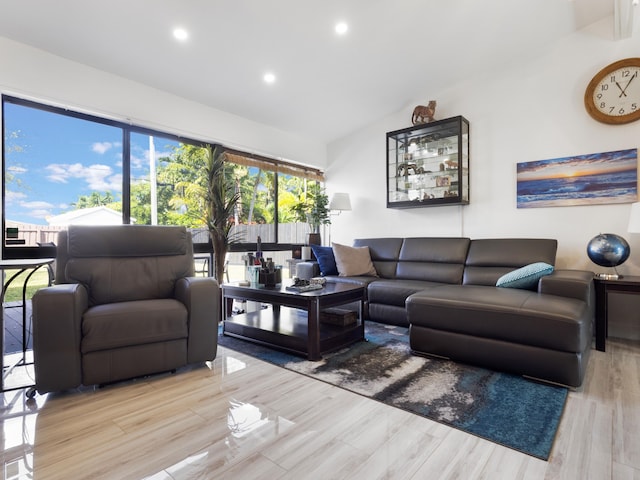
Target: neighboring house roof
[{"x": 87, "y": 216}]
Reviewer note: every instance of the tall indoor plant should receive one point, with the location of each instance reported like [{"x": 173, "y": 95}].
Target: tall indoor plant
[
  {"x": 220, "y": 202},
  {"x": 313, "y": 209}
]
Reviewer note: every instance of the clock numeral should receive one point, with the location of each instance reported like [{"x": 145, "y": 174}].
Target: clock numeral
[
  {"x": 611, "y": 109},
  {"x": 621, "y": 111},
  {"x": 613, "y": 79},
  {"x": 634, "y": 107},
  {"x": 603, "y": 105},
  {"x": 604, "y": 87},
  {"x": 599, "y": 96},
  {"x": 625, "y": 73}
]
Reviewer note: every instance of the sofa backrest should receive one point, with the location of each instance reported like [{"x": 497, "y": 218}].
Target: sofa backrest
[
  {"x": 384, "y": 253},
  {"x": 124, "y": 262},
  {"x": 489, "y": 259},
  {"x": 434, "y": 259},
  {"x": 437, "y": 259}
]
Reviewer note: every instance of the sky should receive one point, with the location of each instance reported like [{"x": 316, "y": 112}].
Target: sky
[
  {"x": 62, "y": 158},
  {"x": 580, "y": 165}
]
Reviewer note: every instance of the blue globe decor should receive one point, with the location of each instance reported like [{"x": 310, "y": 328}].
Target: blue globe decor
[{"x": 608, "y": 250}]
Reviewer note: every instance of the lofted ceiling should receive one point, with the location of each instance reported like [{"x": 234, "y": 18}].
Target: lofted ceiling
[{"x": 326, "y": 85}]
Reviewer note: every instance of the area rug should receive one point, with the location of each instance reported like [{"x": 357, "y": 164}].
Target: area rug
[{"x": 505, "y": 409}]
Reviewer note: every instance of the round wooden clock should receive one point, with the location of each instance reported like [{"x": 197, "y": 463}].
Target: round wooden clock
[{"x": 613, "y": 95}]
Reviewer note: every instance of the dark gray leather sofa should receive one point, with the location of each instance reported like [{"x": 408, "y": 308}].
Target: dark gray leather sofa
[
  {"x": 445, "y": 290},
  {"x": 125, "y": 304}
]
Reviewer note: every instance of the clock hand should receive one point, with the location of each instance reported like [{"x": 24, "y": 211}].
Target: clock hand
[
  {"x": 627, "y": 85},
  {"x": 621, "y": 90}
]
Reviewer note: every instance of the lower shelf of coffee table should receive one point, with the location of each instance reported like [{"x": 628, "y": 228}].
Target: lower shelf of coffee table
[{"x": 288, "y": 330}]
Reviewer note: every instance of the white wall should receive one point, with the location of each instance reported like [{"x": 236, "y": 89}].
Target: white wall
[
  {"x": 33, "y": 74},
  {"x": 527, "y": 111}
]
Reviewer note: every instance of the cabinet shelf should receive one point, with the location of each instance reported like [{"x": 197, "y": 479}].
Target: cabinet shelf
[{"x": 428, "y": 164}]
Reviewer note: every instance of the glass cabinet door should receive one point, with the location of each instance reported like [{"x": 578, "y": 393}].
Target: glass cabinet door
[{"x": 428, "y": 164}]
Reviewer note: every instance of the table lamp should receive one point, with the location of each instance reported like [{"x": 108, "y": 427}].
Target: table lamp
[{"x": 340, "y": 202}]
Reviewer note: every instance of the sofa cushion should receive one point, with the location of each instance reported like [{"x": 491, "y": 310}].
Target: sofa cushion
[
  {"x": 115, "y": 240},
  {"x": 326, "y": 259},
  {"x": 395, "y": 292},
  {"x": 353, "y": 261},
  {"x": 122, "y": 279},
  {"x": 490, "y": 258},
  {"x": 510, "y": 315},
  {"x": 384, "y": 254},
  {"x": 435, "y": 259},
  {"x": 525, "y": 277},
  {"x": 124, "y": 324},
  {"x": 116, "y": 268}
]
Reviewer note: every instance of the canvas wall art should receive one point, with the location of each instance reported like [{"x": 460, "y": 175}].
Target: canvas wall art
[{"x": 598, "y": 178}]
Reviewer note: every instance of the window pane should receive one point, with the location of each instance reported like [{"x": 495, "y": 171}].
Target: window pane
[
  {"x": 58, "y": 170},
  {"x": 256, "y": 211},
  {"x": 176, "y": 197},
  {"x": 292, "y": 227}
]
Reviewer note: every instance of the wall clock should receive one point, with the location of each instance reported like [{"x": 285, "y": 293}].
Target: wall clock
[{"x": 613, "y": 95}]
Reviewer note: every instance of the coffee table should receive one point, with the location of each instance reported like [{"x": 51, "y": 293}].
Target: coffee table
[{"x": 292, "y": 322}]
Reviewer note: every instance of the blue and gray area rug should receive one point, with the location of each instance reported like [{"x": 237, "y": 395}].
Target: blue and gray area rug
[{"x": 505, "y": 409}]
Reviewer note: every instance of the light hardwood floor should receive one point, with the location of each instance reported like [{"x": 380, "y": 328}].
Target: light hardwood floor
[{"x": 240, "y": 418}]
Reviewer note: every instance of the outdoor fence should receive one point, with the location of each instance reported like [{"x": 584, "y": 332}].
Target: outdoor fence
[
  {"x": 289, "y": 233},
  {"x": 34, "y": 235}
]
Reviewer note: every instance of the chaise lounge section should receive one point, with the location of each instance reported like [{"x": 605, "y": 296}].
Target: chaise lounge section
[{"x": 543, "y": 333}]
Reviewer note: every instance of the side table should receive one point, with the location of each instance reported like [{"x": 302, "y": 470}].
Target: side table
[
  {"x": 627, "y": 284},
  {"x": 22, "y": 266}
]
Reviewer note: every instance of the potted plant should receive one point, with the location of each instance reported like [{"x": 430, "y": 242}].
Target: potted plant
[
  {"x": 313, "y": 209},
  {"x": 220, "y": 202}
]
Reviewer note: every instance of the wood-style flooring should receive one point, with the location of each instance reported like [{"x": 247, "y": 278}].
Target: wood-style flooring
[{"x": 241, "y": 418}]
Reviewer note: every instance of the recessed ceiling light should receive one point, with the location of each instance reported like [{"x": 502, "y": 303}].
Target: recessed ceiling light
[
  {"x": 269, "y": 77},
  {"x": 341, "y": 28},
  {"x": 180, "y": 34}
]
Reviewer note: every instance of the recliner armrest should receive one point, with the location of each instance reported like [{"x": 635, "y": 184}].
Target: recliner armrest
[
  {"x": 57, "y": 334},
  {"x": 570, "y": 283},
  {"x": 201, "y": 296}
]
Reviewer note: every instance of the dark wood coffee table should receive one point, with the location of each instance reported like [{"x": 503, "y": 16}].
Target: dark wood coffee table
[{"x": 292, "y": 323}]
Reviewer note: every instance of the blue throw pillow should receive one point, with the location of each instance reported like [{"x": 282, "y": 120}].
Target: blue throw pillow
[
  {"x": 326, "y": 260},
  {"x": 525, "y": 277}
]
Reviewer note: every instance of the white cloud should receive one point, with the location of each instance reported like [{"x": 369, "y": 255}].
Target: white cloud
[
  {"x": 40, "y": 213},
  {"x": 36, "y": 204},
  {"x": 38, "y": 209},
  {"x": 17, "y": 170},
  {"x": 98, "y": 177},
  {"x": 11, "y": 196},
  {"x": 102, "y": 147},
  {"x": 138, "y": 162}
]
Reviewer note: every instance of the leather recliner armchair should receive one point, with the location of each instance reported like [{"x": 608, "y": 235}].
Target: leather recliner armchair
[{"x": 125, "y": 304}]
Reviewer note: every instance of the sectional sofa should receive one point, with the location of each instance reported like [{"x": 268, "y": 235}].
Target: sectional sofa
[{"x": 444, "y": 290}]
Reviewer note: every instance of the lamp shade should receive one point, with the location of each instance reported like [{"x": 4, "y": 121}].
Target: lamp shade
[
  {"x": 340, "y": 201},
  {"x": 634, "y": 218}
]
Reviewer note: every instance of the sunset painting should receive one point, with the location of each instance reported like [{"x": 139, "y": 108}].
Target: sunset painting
[{"x": 610, "y": 177}]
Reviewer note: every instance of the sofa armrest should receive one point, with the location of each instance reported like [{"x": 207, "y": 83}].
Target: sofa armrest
[
  {"x": 307, "y": 270},
  {"x": 570, "y": 283},
  {"x": 201, "y": 296},
  {"x": 57, "y": 334}
]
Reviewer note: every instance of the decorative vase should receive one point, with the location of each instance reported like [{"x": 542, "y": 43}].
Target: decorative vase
[{"x": 314, "y": 239}]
